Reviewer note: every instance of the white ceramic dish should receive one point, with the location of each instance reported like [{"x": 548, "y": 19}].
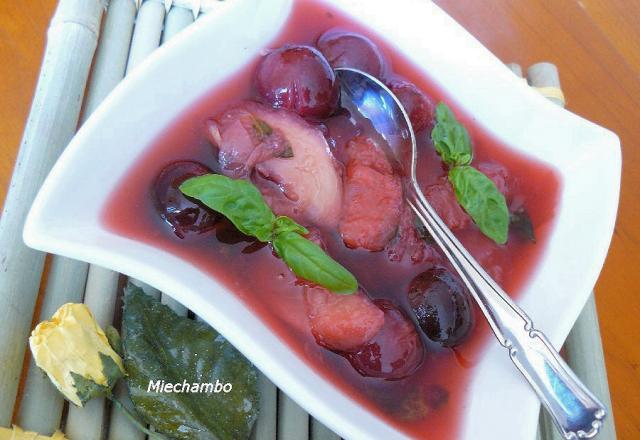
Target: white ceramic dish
[{"x": 65, "y": 218}]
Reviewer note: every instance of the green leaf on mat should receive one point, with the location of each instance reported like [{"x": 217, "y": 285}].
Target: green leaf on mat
[{"x": 162, "y": 346}]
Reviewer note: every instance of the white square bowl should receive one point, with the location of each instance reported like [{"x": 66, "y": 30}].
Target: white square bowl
[{"x": 66, "y": 216}]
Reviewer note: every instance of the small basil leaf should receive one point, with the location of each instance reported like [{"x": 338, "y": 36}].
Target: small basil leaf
[
  {"x": 162, "y": 346},
  {"x": 480, "y": 197},
  {"x": 450, "y": 138},
  {"x": 285, "y": 224},
  {"x": 309, "y": 261},
  {"x": 522, "y": 224},
  {"x": 236, "y": 199}
]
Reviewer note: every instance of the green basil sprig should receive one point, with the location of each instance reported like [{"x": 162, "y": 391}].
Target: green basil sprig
[
  {"x": 450, "y": 138},
  {"x": 475, "y": 192},
  {"x": 241, "y": 202}
]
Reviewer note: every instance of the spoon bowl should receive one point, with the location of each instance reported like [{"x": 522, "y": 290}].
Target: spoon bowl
[{"x": 368, "y": 96}]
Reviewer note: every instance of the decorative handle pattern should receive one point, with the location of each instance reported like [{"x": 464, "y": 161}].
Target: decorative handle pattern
[{"x": 577, "y": 413}]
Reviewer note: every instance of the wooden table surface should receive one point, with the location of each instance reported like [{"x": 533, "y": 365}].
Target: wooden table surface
[{"x": 595, "y": 44}]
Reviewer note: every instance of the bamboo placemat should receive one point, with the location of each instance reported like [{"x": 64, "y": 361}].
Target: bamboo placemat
[{"x": 66, "y": 95}]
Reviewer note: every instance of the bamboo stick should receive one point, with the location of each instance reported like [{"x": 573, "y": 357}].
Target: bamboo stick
[
  {"x": 516, "y": 69},
  {"x": 41, "y": 406},
  {"x": 583, "y": 346},
  {"x": 546, "y": 428},
  {"x": 265, "y": 427},
  {"x": 146, "y": 36},
  {"x": 195, "y": 6},
  {"x": 293, "y": 421},
  {"x": 545, "y": 78},
  {"x": 321, "y": 432},
  {"x": 71, "y": 43},
  {"x": 113, "y": 51},
  {"x": 120, "y": 427},
  {"x": 177, "y": 19}
]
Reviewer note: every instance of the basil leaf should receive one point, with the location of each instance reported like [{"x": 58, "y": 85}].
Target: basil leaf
[
  {"x": 450, "y": 138},
  {"x": 480, "y": 197},
  {"x": 160, "y": 345},
  {"x": 236, "y": 199},
  {"x": 241, "y": 202},
  {"x": 285, "y": 224},
  {"x": 309, "y": 261}
]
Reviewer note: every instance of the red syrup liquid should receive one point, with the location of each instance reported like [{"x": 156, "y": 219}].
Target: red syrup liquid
[{"x": 269, "y": 290}]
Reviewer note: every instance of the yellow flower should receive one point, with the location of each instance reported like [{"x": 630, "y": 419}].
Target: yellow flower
[
  {"x": 16, "y": 433},
  {"x": 75, "y": 353}
]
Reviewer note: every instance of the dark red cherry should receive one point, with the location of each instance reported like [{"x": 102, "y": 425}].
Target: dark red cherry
[
  {"x": 394, "y": 352},
  {"x": 417, "y": 105},
  {"x": 184, "y": 215},
  {"x": 348, "y": 49},
  {"x": 441, "y": 305},
  {"x": 298, "y": 78}
]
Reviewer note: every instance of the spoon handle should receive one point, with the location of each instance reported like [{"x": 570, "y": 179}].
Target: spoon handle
[{"x": 576, "y": 412}]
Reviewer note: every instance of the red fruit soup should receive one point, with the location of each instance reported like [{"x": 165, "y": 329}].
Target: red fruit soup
[{"x": 389, "y": 361}]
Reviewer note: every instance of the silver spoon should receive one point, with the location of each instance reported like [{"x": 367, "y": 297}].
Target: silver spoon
[{"x": 576, "y": 412}]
